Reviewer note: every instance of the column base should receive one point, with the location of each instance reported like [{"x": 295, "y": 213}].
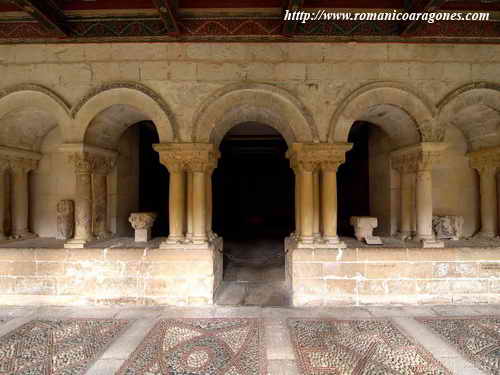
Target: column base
[
  {"x": 323, "y": 243},
  {"x": 485, "y": 235},
  {"x": 104, "y": 236},
  {"x": 403, "y": 236},
  {"x": 207, "y": 244},
  {"x": 23, "y": 236},
  {"x": 76, "y": 244},
  {"x": 174, "y": 240},
  {"x": 431, "y": 242}
]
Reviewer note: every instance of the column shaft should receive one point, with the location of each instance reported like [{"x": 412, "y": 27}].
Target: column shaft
[
  {"x": 100, "y": 205},
  {"x": 329, "y": 205},
  {"x": 199, "y": 207},
  {"x": 189, "y": 218},
  {"x": 2, "y": 203},
  {"x": 176, "y": 205},
  {"x": 208, "y": 186},
  {"x": 83, "y": 206},
  {"x": 488, "y": 194},
  {"x": 306, "y": 206},
  {"x": 297, "y": 202},
  {"x": 316, "y": 204},
  {"x": 20, "y": 202},
  {"x": 406, "y": 208},
  {"x": 424, "y": 205}
]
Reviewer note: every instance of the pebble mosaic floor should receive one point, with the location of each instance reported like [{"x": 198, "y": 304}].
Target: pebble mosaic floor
[
  {"x": 358, "y": 347},
  {"x": 57, "y": 346},
  {"x": 478, "y": 338},
  {"x": 254, "y": 340},
  {"x": 200, "y": 346}
]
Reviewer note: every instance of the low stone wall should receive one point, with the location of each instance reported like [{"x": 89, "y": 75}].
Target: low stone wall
[
  {"x": 400, "y": 276},
  {"x": 110, "y": 276}
]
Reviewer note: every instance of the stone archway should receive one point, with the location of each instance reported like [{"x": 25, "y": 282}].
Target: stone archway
[
  {"x": 474, "y": 109},
  {"x": 28, "y": 113}
]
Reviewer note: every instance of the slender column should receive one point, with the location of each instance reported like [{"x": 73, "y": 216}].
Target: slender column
[
  {"x": 488, "y": 195},
  {"x": 406, "y": 205},
  {"x": 100, "y": 197},
  {"x": 316, "y": 204},
  {"x": 84, "y": 166},
  {"x": 297, "y": 202},
  {"x": 199, "y": 206},
  {"x": 306, "y": 202},
  {"x": 209, "y": 203},
  {"x": 176, "y": 203},
  {"x": 189, "y": 218},
  {"x": 20, "y": 197},
  {"x": 424, "y": 205},
  {"x": 329, "y": 201},
  {"x": 3, "y": 191}
]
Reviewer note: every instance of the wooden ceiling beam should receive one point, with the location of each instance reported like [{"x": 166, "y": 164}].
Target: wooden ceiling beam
[
  {"x": 166, "y": 8},
  {"x": 419, "y": 6},
  {"x": 290, "y": 5},
  {"x": 46, "y": 12}
]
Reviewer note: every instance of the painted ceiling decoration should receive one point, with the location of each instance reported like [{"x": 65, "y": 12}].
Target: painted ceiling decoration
[{"x": 23, "y": 21}]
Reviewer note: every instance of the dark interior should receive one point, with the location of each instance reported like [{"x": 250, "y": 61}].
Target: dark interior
[
  {"x": 153, "y": 179},
  {"x": 253, "y": 186},
  {"x": 353, "y": 180}
]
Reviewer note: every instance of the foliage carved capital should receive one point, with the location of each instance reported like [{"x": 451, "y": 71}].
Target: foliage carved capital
[
  {"x": 311, "y": 156},
  {"x": 419, "y": 157},
  {"x": 486, "y": 160}
]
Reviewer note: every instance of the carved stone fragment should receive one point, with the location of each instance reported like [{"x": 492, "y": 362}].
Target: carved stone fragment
[{"x": 65, "y": 219}]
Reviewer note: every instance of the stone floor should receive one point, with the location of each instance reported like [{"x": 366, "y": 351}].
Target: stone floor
[
  {"x": 278, "y": 346},
  {"x": 254, "y": 274}
]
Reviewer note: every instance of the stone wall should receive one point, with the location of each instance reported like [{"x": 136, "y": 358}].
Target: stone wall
[
  {"x": 322, "y": 78},
  {"x": 109, "y": 276},
  {"x": 400, "y": 276}
]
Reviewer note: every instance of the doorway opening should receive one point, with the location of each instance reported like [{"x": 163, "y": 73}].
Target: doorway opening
[
  {"x": 364, "y": 179},
  {"x": 253, "y": 189},
  {"x": 142, "y": 181}
]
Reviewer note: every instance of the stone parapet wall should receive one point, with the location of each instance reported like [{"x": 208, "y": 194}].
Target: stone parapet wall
[
  {"x": 399, "y": 276},
  {"x": 109, "y": 276}
]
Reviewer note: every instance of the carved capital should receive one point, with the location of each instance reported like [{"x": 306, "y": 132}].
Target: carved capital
[
  {"x": 197, "y": 157},
  {"x": 22, "y": 165},
  {"x": 142, "y": 220},
  {"x": 311, "y": 156},
  {"x": 84, "y": 162},
  {"x": 419, "y": 157},
  {"x": 104, "y": 164},
  {"x": 486, "y": 160}
]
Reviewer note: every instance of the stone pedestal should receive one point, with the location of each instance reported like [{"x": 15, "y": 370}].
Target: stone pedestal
[
  {"x": 142, "y": 222},
  {"x": 363, "y": 226}
]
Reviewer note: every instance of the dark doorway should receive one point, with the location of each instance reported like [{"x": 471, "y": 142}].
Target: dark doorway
[
  {"x": 253, "y": 188},
  {"x": 153, "y": 179},
  {"x": 353, "y": 179}
]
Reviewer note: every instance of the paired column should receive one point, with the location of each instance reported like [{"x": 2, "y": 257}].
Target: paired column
[
  {"x": 20, "y": 196},
  {"x": 417, "y": 160},
  {"x": 329, "y": 201},
  {"x": 487, "y": 163},
  {"x": 3, "y": 191},
  {"x": 104, "y": 165},
  {"x": 190, "y": 194},
  {"x": 315, "y": 167},
  {"x": 84, "y": 164}
]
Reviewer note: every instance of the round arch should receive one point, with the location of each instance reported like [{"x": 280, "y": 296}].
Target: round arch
[
  {"x": 405, "y": 116},
  {"x": 260, "y": 103},
  {"x": 144, "y": 102},
  {"x": 31, "y": 111},
  {"x": 475, "y": 110}
]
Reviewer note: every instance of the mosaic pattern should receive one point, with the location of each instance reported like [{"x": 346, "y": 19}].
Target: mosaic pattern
[
  {"x": 358, "y": 347},
  {"x": 200, "y": 346},
  {"x": 476, "y": 338},
  {"x": 50, "y": 347}
]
